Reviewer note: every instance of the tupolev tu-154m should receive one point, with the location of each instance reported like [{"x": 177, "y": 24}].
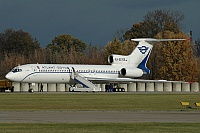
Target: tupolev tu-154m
[{"x": 122, "y": 69}]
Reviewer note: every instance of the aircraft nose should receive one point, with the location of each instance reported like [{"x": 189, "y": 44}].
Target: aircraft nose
[{"x": 9, "y": 76}]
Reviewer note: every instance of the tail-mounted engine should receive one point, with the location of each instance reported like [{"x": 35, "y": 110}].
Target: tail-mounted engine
[
  {"x": 118, "y": 59},
  {"x": 132, "y": 73}
]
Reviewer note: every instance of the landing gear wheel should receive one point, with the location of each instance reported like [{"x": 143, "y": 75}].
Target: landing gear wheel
[{"x": 30, "y": 90}]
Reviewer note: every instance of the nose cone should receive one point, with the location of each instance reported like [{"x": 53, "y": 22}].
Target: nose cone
[{"x": 10, "y": 76}]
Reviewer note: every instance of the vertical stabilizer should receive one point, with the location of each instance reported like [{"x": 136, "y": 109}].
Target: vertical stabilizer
[{"x": 139, "y": 57}]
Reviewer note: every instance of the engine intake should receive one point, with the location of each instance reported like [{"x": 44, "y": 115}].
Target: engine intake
[
  {"x": 118, "y": 59},
  {"x": 127, "y": 72}
]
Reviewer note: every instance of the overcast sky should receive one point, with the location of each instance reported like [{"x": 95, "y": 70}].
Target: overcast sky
[{"x": 92, "y": 21}]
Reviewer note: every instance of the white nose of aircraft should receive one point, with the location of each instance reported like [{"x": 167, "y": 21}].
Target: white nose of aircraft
[{"x": 10, "y": 76}]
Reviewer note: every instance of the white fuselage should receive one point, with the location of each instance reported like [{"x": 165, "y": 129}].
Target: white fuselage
[
  {"x": 60, "y": 73},
  {"x": 122, "y": 68}
]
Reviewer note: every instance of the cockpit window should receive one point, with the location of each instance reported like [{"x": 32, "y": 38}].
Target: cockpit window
[{"x": 16, "y": 70}]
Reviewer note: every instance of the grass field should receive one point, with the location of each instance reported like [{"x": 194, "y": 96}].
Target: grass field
[
  {"x": 100, "y": 128},
  {"x": 97, "y": 102}
]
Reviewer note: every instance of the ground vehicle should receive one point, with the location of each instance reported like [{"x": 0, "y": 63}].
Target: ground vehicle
[{"x": 6, "y": 85}]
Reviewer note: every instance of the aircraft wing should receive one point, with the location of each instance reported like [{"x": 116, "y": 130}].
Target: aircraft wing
[{"x": 130, "y": 80}]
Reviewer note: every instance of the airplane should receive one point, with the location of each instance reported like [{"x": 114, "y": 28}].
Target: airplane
[{"x": 122, "y": 69}]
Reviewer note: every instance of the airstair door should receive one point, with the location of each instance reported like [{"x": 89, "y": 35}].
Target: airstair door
[
  {"x": 71, "y": 72},
  {"x": 34, "y": 69},
  {"x": 92, "y": 72}
]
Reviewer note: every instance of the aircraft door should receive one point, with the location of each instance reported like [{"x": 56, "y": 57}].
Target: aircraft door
[
  {"x": 71, "y": 72},
  {"x": 92, "y": 72},
  {"x": 34, "y": 69}
]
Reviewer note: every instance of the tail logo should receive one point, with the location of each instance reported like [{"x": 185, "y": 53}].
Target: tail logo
[{"x": 143, "y": 49}]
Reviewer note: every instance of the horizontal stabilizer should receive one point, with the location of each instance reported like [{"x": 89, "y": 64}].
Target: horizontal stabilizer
[{"x": 155, "y": 40}]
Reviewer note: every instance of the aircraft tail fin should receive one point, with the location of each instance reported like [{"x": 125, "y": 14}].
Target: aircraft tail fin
[{"x": 139, "y": 56}]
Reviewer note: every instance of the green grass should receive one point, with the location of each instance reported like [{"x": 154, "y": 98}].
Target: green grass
[
  {"x": 99, "y": 127},
  {"x": 95, "y": 101}
]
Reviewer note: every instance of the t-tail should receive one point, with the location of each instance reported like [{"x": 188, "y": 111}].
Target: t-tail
[{"x": 134, "y": 65}]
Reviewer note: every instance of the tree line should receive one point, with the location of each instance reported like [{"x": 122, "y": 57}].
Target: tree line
[{"x": 177, "y": 60}]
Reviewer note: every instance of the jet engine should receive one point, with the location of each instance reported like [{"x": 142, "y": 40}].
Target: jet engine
[
  {"x": 132, "y": 73},
  {"x": 118, "y": 59}
]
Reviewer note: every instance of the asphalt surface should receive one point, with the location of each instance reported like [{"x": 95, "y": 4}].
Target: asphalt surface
[{"x": 98, "y": 116}]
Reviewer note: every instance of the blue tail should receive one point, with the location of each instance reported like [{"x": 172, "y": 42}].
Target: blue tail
[{"x": 142, "y": 65}]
